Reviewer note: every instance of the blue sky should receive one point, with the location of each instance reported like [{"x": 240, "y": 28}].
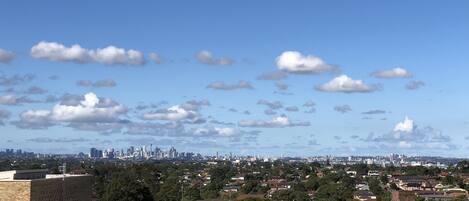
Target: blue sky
[{"x": 366, "y": 66}]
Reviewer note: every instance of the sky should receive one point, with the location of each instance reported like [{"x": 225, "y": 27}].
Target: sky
[{"x": 270, "y": 78}]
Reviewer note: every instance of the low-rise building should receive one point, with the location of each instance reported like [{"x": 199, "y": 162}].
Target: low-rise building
[
  {"x": 364, "y": 195},
  {"x": 37, "y": 185}
]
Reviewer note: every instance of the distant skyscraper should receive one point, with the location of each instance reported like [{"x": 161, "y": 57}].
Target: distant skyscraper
[
  {"x": 173, "y": 153},
  {"x": 95, "y": 153}
]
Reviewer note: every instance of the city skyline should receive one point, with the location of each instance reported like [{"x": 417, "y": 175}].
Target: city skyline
[{"x": 251, "y": 78}]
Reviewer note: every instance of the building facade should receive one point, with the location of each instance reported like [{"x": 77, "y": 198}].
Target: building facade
[{"x": 30, "y": 185}]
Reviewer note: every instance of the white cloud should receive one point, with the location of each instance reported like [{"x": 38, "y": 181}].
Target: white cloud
[
  {"x": 392, "y": 73},
  {"x": 206, "y": 57},
  {"x": 8, "y": 99},
  {"x": 90, "y": 110},
  {"x": 406, "y": 126},
  {"x": 174, "y": 113},
  {"x": 109, "y": 55},
  {"x": 6, "y": 56},
  {"x": 216, "y": 132},
  {"x": 295, "y": 62},
  {"x": 345, "y": 84},
  {"x": 34, "y": 119},
  {"x": 406, "y": 134},
  {"x": 279, "y": 122}
]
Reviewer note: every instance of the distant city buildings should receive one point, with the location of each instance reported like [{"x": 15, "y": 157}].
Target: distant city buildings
[
  {"x": 152, "y": 152},
  {"x": 143, "y": 152}
]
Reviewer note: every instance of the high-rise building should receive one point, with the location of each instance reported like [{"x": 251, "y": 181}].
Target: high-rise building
[
  {"x": 31, "y": 185},
  {"x": 95, "y": 153},
  {"x": 173, "y": 153}
]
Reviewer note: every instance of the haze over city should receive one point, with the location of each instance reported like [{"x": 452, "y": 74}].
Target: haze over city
[{"x": 266, "y": 78}]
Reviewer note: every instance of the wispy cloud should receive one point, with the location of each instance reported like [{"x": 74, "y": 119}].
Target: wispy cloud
[
  {"x": 6, "y": 56},
  {"x": 392, "y": 73},
  {"x": 206, "y": 57},
  {"x": 230, "y": 87}
]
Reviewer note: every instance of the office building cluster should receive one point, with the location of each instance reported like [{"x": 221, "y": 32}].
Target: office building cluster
[{"x": 142, "y": 152}]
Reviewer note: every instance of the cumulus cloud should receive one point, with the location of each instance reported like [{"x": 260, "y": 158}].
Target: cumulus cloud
[
  {"x": 11, "y": 99},
  {"x": 156, "y": 58},
  {"x": 6, "y": 56},
  {"x": 346, "y": 84},
  {"x": 276, "y": 122},
  {"x": 271, "y": 104},
  {"x": 295, "y": 62},
  {"x": 406, "y": 126},
  {"x": 414, "y": 85},
  {"x": 195, "y": 104},
  {"x": 206, "y": 57},
  {"x": 215, "y": 132},
  {"x": 343, "y": 108},
  {"x": 109, "y": 55},
  {"x": 187, "y": 112},
  {"x": 15, "y": 79},
  {"x": 407, "y": 134},
  {"x": 174, "y": 113},
  {"x": 34, "y": 119},
  {"x": 229, "y": 87},
  {"x": 8, "y": 99},
  {"x": 87, "y": 109},
  {"x": 392, "y": 73},
  {"x": 275, "y": 75},
  {"x": 98, "y": 84}
]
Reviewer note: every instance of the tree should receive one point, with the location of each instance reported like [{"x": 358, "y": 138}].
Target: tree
[
  {"x": 192, "y": 194},
  {"x": 393, "y": 186},
  {"x": 287, "y": 195},
  {"x": 312, "y": 183},
  {"x": 384, "y": 179},
  {"x": 124, "y": 187},
  {"x": 249, "y": 186},
  {"x": 334, "y": 191}
]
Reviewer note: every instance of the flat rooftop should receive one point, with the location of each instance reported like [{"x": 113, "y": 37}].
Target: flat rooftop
[{"x": 26, "y": 175}]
